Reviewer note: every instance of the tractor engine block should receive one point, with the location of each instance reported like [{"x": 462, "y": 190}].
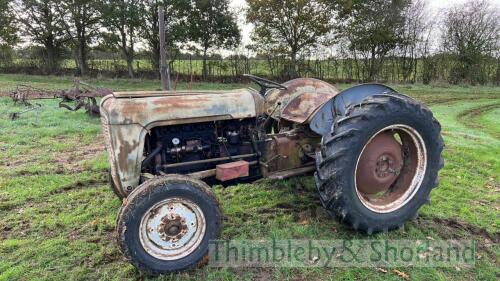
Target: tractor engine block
[{"x": 183, "y": 149}]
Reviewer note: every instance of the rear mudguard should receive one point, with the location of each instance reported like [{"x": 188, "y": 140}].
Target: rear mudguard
[{"x": 322, "y": 121}]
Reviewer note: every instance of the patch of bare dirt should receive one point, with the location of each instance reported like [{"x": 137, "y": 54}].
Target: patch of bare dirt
[
  {"x": 21, "y": 227},
  {"x": 468, "y": 117},
  {"x": 72, "y": 161},
  {"x": 455, "y": 229},
  {"x": 19, "y": 161},
  {"x": 67, "y": 162},
  {"x": 451, "y": 228},
  {"x": 74, "y": 235},
  {"x": 258, "y": 274},
  {"x": 79, "y": 184},
  {"x": 440, "y": 101},
  {"x": 478, "y": 110},
  {"x": 464, "y": 135}
]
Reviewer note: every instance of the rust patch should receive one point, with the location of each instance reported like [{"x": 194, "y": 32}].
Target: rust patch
[
  {"x": 124, "y": 150},
  {"x": 145, "y": 110},
  {"x": 300, "y": 108},
  {"x": 133, "y": 108},
  {"x": 287, "y": 151},
  {"x": 300, "y": 100},
  {"x": 187, "y": 101}
]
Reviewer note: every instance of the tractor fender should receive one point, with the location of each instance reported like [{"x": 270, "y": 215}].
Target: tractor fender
[
  {"x": 301, "y": 98},
  {"x": 322, "y": 121}
]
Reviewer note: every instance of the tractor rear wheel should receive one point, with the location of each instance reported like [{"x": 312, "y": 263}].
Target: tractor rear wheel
[
  {"x": 166, "y": 223},
  {"x": 380, "y": 163}
]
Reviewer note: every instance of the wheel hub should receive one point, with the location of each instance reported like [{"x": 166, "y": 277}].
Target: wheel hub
[
  {"x": 391, "y": 168},
  {"x": 380, "y": 164},
  {"x": 385, "y": 166},
  {"x": 172, "y": 228}
]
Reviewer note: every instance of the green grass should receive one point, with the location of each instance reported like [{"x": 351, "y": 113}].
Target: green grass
[{"x": 57, "y": 213}]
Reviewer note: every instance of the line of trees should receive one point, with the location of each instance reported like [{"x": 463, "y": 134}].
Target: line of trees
[
  {"x": 115, "y": 25},
  {"x": 367, "y": 35}
]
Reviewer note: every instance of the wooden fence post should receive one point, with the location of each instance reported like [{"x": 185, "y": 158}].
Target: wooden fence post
[{"x": 164, "y": 69}]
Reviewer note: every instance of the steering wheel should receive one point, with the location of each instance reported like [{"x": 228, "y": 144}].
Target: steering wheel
[{"x": 264, "y": 83}]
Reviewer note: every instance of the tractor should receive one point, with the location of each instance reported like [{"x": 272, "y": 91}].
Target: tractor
[{"x": 374, "y": 154}]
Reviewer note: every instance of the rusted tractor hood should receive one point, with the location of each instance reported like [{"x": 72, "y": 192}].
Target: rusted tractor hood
[{"x": 150, "y": 109}]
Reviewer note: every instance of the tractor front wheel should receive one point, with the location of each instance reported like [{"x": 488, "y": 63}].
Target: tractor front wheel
[
  {"x": 165, "y": 224},
  {"x": 380, "y": 163}
]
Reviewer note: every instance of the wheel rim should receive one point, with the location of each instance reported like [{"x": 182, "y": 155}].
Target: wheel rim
[
  {"x": 172, "y": 228},
  {"x": 390, "y": 168}
]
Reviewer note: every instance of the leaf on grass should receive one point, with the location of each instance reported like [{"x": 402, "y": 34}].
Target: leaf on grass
[
  {"x": 304, "y": 222},
  {"x": 314, "y": 259},
  {"x": 381, "y": 270},
  {"x": 401, "y": 274}
]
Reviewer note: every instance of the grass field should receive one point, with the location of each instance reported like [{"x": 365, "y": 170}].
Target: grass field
[{"x": 57, "y": 213}]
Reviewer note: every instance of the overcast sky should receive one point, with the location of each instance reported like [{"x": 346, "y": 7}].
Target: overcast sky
[{"x": 434, "y": 7}]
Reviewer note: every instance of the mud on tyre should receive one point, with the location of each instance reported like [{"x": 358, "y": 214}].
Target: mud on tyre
[{"x": 380, "y": 162}]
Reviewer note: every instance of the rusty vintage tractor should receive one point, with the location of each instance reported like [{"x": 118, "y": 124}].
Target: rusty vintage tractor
[{"x": 375, "y": 155}]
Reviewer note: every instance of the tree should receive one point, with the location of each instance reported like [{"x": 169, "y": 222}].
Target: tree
[
  {"x": 176, "y": 14},
  {"x": 415, "y": 41},
  {"x": 121, "y": 19},
  {"x": 212, "y": 24},
  {"x": 80, "y": 21},
  {"x": 291, "y": 25},
  {"x": 40, "y": 21},
  {"x": 8, "y": 33},
  {"x": 471, "y": 32},
  {"x": 373, "y": 29}
]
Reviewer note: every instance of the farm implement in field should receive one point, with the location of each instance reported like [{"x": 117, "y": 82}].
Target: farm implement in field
[{"x": 82, "y": 95}]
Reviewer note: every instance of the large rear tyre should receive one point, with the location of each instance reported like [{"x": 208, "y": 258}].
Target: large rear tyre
[
  {"x": 380, "y": 163},
  {"x": 165, "y": 224}
]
